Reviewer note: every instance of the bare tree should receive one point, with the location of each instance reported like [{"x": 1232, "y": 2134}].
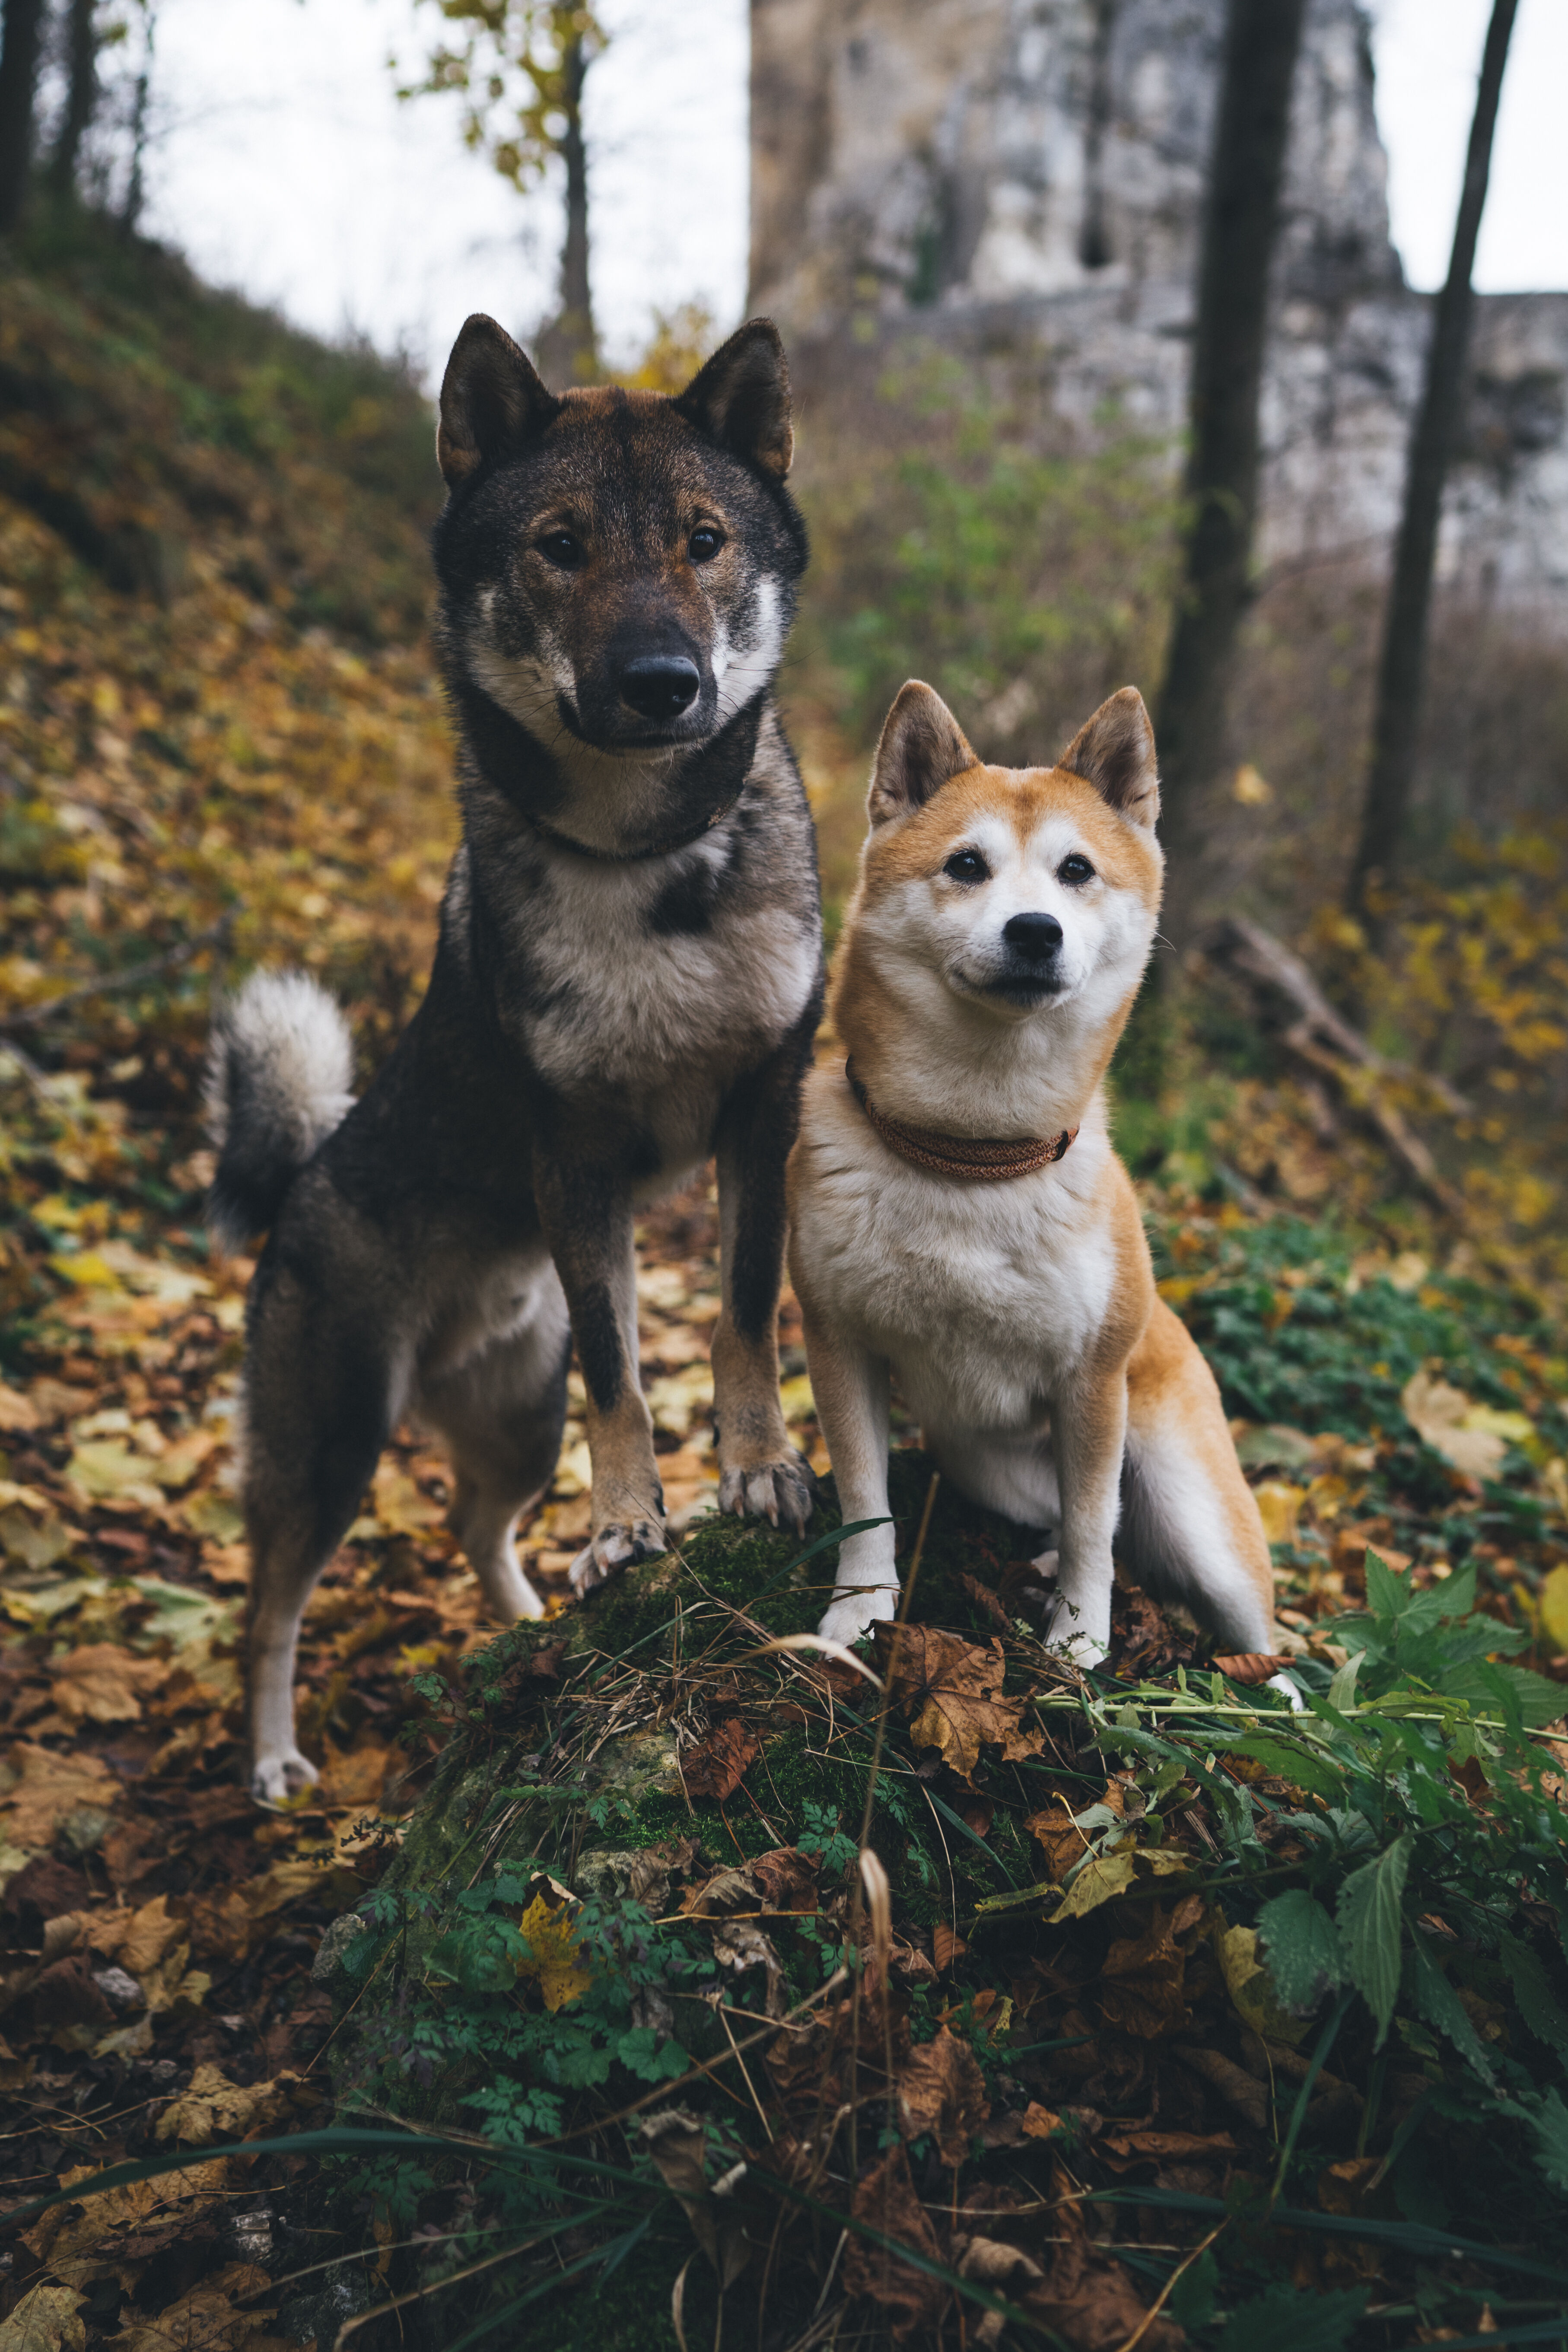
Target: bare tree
[
  {"x": 1252, "y": 121},
  {"x": 18, "y": 86},
  {"x": 521, "y": 67},
  {"x": 1404, "y": 662},
  {"x": 81, "y": 94}
]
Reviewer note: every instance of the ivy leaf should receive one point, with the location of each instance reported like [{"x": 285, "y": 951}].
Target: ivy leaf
[
  {"x": 1286, "y": 2321},
  {"x": 1302, "y": 1950},
  {"x": 1372, "y": 1924},
  {"x": 1440, "y": 2005}
]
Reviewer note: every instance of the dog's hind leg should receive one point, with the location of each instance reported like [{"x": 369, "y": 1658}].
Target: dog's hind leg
[
  {"x": 316, "y": 1420},
  {"x": 502, "y": 1414},
  {"x": 1190, "y": 1525}
]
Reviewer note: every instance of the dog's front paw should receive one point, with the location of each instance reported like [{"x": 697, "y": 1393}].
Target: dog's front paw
[
  {"x": 276, "y": 1779},
  {"x": 853, "y": 1613},
  {"x": 783, "y": 1490},
  {"x": 620, "y": 1545}
]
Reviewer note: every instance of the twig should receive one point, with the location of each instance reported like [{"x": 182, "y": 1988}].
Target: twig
[
  {"x": 33, "y": 1016},
  {"x": 1325, "y": 1042},
  {"x": 1158, "y": 2306}
]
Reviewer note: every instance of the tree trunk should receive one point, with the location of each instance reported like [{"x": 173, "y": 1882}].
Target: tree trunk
[
  {"x": 1252, "y": 124},
  {"x": 18, "y": 82},
  {"x": 81, "y": 100},
  {"x": 1431, "y": 446},
  {"x": 569, "y": 348}
]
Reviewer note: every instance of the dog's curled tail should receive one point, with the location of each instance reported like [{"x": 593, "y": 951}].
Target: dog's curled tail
[{"x": 280, "y": 1067}]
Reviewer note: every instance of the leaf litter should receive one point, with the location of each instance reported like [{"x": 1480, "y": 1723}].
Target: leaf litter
[{"x": 1179, "y": 2016}]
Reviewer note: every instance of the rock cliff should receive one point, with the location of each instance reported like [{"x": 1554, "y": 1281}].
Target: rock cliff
[{"x": 1032, "y": 171}]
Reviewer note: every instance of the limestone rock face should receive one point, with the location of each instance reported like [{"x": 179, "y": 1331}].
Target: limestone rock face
[
  {"x": 1030, "y": 172},
  {"x": 961, "y": 151}
]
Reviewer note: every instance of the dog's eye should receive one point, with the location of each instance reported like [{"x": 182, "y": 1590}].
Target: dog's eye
[
  {"x": 560, "y": 548},
  {"x": 967, "y": 865},
  {"x": 704, "y": 543},
  {"x": 1075, "y": 869}
]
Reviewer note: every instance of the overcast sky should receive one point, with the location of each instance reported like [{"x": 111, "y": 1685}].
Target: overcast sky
[{"x": 287, "y": 168}]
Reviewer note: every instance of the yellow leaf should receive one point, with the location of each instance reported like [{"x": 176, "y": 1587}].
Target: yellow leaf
[
  {"x": 1280, "y": 1507},
  {"x": 552, "y": 1954},
  {"x": 1554, "y": 1607},
  {"x": 45, "y": 2321},
  {"x": 1251, "y": 788},
  {"x": 799, "y": 1404},
  {"x": 1473, "y": 1437},
  {"x": 1250, "y": 1987}
]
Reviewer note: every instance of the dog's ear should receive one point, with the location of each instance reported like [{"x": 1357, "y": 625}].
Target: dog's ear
[
  {"x": 921, "y": 748},
  {"x": 1114, "y": 751},
  {"x": 740, "y": 398},
  {"x": 492, "y": 401}
]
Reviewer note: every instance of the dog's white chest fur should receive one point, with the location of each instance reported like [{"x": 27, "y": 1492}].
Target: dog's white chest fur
[
  {"x": 983, "y": 1297},
  {"x": 667, "y": 1021}
]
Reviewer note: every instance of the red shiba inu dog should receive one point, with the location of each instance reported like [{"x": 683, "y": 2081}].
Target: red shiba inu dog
[{"x": 959, "y": 1216}]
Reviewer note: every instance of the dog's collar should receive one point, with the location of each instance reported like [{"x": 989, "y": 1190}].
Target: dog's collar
[
  {"x": 665, "y": 848},
  {"x": 973, "y": 1160}
]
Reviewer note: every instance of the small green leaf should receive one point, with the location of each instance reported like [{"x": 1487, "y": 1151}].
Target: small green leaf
[
  {"x": 1551, "y": 2126},
  {"x": 1441, "y": 2007},
  {"x": 1388, "y": 1594},
  {"x": 1285, "y": 2320},
  {"x": 1342, "y": 1690},
  {"x": 1372, "y": 1924},
  {"x": 1537, "y": 2005},
  {"x": 1301, "y": 1949}
]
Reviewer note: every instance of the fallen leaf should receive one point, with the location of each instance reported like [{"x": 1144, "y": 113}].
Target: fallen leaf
[
  {"x": 45, "y": 2321},
  {"x": 1251, "y": 1987},
  {"x": 1140, "y": 1981},
  {"x": 716, "y": 1765},
  {"x": 1059, "y": 1837},
  {"x": 206, "y": 2318},
  {"x": 49, "y": 1789},
  {"x": 678, "y": 2143},
  {"x": 1279, "y": 1508},
  {"x": 103, "y": 1684},
  {"x": 1554, "y": 1606},
  {"x": 1473, "y": 1437},
  {"x": 1087, "y": 2298},
  {"x": 212, "y": 2107},
  {"x": 947, "y": 1945},
  {"x": 885, "y": 2200},
  {"x": 952, "y": 1690},
  {"x": 106, "y": 2233},
  {"x": 786, "y": 1878},
  {"x": 1251, "y": 1666},
  {"x": 1039, "y": 2121},
  {"x": 552, "y": 1963},
  {"x": 943, "y": 2091},
  {"x": 18, "y": 1413}
]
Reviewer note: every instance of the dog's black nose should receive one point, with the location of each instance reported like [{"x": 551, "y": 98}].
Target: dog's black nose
[
  {"x": 1035, "y": 937},
  {"x": 661, "y": 685}
]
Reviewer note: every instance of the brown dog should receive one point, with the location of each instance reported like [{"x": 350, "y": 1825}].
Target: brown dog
[{"x": 959, "y": 1216}]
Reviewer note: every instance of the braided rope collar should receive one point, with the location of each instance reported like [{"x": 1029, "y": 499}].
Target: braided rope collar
[{"x": 966, "y": 1157}]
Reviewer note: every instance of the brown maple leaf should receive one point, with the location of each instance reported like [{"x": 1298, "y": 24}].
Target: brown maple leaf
[
  {"x": 716, "y": 1765},
  {"x": 1059, "y": 1837},
  {"x": 952, "y": 1690}
]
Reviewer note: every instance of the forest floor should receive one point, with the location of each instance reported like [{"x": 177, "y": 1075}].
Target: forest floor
[{"x": 234, "y": 753}]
